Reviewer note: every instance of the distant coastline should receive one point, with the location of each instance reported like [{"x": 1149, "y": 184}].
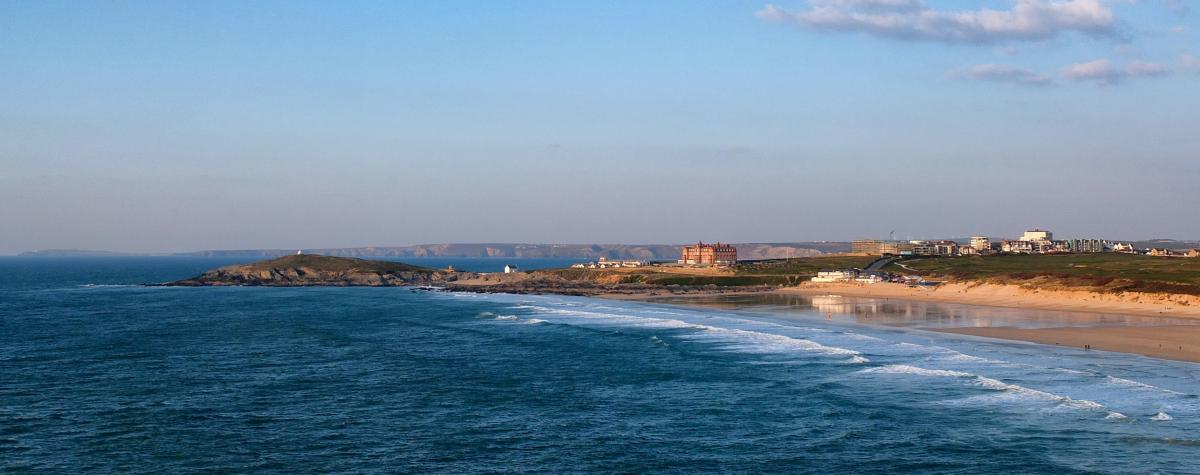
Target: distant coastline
[
  {"x": 495, "y": 250},
  {"x": 649, "y": 283}
]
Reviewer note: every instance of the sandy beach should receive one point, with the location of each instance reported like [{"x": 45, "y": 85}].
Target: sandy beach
[
  {"x": 1168, "y": 341},
  {"x": 1176, "y": 342},
  {"x": 1149, "y": 305}
]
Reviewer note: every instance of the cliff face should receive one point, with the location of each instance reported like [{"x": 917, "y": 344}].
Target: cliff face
[{"x": 309, "y": 270}]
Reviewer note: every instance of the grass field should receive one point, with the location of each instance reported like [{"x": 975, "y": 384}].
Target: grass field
[
  {"x": 1112, "y": 272},
  {"x": 804, "y": 266},
  {"x": 769, "y": 272}
]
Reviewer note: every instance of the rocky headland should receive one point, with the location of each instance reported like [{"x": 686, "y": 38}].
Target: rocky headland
[{"x": 314, "y": 270}]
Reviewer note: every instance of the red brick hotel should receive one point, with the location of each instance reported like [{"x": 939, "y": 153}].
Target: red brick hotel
[{"x": 709, "y": 254}]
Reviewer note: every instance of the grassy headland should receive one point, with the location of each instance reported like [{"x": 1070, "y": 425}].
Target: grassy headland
[
  {"x": 772, "y": 272},
  {"x": 1098, "y": 272}
]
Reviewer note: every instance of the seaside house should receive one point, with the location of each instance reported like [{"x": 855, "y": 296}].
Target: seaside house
[
  {"x": 1124, "y": 247},
  {"x": 509, "y": 269}
]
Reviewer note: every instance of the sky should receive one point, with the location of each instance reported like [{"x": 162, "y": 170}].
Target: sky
[{"x": 176, "y": 126}]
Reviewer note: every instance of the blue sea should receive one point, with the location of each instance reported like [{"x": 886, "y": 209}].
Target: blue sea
[{"x": 99, "y": 374}]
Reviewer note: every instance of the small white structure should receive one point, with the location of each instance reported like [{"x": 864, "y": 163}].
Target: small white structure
[
  {"x": 869, "y": 279},
  {"x": 509, "y": 269},
  {"x": 835, "y": 276}
]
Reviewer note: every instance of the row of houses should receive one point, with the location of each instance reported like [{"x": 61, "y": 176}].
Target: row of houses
[
  {"x": 1035, "y": 241},
  {"x": 606, "y": 263},
  {"x": 1163, "y": 252}
]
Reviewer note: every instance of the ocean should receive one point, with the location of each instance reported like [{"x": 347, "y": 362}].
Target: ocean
[{"x": 100, "y": 374}]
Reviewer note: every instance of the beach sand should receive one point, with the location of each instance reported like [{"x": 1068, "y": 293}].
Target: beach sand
[
  {"x": 1176, "y": 342},
  {"x": 1149, "y": 305},
  {"x": 1167, "y": 341}
]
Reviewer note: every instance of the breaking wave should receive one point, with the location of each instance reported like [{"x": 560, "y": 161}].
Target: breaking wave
[
  {"x": 745, "y": 341},
  {"x": 987, "y": 383}
]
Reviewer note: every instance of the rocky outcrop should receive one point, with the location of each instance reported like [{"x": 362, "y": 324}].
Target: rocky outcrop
[{"x": 309, "y": 270}]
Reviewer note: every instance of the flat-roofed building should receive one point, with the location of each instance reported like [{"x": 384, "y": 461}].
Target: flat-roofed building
[
  {"x": 946, "y": 248},
  {"x": 1084, "y": 245},
  {"x": 836, "y": 276},
  {"x": 981, "y": 243},
  {"x": 922, "y": 248},
  {"x": 866, "y": 246},
  {"x": 1037, "y": 235},
  {"x": 875, "y": 247}
]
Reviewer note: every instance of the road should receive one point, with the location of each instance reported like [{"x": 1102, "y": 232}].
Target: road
[{"x": 880, "y": 263}]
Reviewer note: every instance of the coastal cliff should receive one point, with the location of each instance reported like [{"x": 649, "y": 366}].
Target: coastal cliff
[{"x": 314, "y": 270}]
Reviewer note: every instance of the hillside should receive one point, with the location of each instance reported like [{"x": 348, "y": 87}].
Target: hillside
[
  {"x": 768, "y": 272},
  {"x": 1100, "y": 272}
]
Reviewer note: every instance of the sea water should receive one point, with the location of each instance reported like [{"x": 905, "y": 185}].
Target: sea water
[{"x": 99, "y": 374}]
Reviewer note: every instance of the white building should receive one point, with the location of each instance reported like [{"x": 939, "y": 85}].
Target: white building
[
  {"x": 835, "y": 276},
  {"x": 981, "y": 243},
  {"x": 869, "y": 279},
  {"x": 1124, "y": 247},
  {"x": 1037, "y": 235},
  {"x": 509, "y": 269}
]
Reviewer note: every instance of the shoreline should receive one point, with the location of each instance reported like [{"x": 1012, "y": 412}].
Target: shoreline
[
  {"x": 1170, "y": 342},
  {"x": 1011, "y": 296},
  {"x": 1167, "y": 341}
]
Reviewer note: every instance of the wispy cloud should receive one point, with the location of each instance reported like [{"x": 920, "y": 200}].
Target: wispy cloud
[
  {"x": 1102, "y": 71},
  {"x": 1003, "y": 73},
  {"x": 1190, "y": 63},
  {"x": 916, "y": 20}
]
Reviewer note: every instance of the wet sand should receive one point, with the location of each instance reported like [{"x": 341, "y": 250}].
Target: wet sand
[
  {"x": 1153, "y": 305},
  {"x": 1105, "y": 326},
  {"x": 1174, "y": 342}
]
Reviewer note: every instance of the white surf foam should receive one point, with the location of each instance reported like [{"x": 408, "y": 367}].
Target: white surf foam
[
  {"x": 1138, "y": 385},
  {"x": 1162, "y": 417},
  {"x": 532, "y": 321},
  {"x": 507, "y": 318},
  {"x": 740, "y": 340},
  {"x": 988, "y": 383}
]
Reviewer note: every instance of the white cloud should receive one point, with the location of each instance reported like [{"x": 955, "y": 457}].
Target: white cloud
[
  {"x": 1003, "y": 73},
  {"x": 915, "y": 20},
  {"x": 1102, "y": 71}
]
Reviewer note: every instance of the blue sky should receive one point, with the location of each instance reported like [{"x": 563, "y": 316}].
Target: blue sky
[{"x": 148, "y": 126}]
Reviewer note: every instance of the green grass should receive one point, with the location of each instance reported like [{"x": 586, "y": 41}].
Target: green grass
[
  {"x": 1112, "y": 272},
  {"x": 721, "y": 281},
  {"x": 771, "y": 272},
  {"x": 803, "y": 266},
  {"x": 335, "y": 264}
]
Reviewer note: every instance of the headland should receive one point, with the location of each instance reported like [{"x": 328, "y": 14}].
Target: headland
[{"x": 1119, "y": 285}]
